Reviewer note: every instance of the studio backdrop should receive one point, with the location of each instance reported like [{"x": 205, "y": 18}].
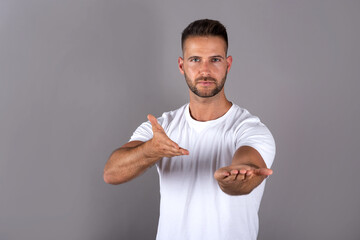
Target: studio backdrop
[{"x": 77, "y": 77}]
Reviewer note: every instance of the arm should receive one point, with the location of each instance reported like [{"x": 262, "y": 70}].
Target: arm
[
  {"x": 245, "y": 173},
  {"x": 133, "y": 158}
]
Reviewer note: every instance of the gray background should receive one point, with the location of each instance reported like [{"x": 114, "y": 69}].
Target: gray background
[{"x": 77, "y": 77}]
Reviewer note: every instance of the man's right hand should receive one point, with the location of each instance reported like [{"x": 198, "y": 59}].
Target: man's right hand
[
  {"x": 133, "y": 158},
  {"x": 161, "y": 145}
]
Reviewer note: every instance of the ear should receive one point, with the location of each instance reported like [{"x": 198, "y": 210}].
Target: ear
[
  {"x": 229, "y": 60},
  {"x": 181, "y": 65}
]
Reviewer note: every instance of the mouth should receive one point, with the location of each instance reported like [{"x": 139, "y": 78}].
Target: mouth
[
  {"x": 206, "y": 83},
  {"x": 205, "y": 80}
]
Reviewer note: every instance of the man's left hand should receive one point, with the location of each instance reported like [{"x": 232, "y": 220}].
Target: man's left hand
[{"x": 240, "y": 179}]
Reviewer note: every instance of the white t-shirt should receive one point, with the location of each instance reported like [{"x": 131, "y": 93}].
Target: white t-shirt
[{"x": 192, "y": 205}]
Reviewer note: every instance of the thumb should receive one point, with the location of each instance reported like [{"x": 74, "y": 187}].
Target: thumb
[
  {"x": 263, "y": 171},
  {"x": 154, "y": 123}
]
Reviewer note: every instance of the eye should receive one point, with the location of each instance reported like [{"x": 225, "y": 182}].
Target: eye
[
  {"x": 216, "y": 60},
  {"x": 195, "y": 60}
]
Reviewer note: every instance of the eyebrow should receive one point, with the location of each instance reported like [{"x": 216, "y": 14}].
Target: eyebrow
[
  {"x": 193, "y": 57},
  {"x": 215, "y": 56}
]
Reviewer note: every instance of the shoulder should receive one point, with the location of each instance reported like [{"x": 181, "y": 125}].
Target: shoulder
[
  {"x": 249, "y": 126},
  {"x": 241, "y": 116},
  {"x": 173, "y": 116},
  {"x": 144, "y": 131},
  {"x": 250, "y": 131}
]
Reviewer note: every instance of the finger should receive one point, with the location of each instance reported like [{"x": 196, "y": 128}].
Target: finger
[
  {"x": 184, "y": 151},
  {"x": 242, "y": 174},
  {"x": 171, "y": 144},
  {"x": 176, "y": 152},
  {"x": 180, "y": 151},
  {"x": 221, "y": 174},
  {"x": 172, "y": 154},
  {"x": 175, "y": 145},
  {"x": 263, "y": 172},
  {"x": 233, "y": 174},
  {"x": 169, "y": 149},
  {"x": 249, "y": 173},
  {"x": 239, "y": 174},
  {"x": 243, "y": 171}
]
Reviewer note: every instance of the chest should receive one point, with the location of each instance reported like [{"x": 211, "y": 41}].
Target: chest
[{"x": 210, "y": 148}]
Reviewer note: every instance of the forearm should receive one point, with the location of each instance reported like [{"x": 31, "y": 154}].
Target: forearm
[
  {"x": 246, "y": 172},
  {"x": 127, "y": 163}
]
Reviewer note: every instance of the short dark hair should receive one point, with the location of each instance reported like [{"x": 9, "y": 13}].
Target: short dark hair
[{"x": 204, "y": 27}]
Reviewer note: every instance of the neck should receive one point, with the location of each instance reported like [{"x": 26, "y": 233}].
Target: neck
[{"x": 206, "y": 109}]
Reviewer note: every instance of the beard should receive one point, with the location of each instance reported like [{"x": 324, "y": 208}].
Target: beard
[{"x": 205, "y": 93}]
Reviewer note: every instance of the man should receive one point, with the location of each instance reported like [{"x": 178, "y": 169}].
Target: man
[{"x": 211, "y": 155}]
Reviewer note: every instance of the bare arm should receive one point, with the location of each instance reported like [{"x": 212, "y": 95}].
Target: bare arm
[
  {"x": 133, "y": 158},
  {"x": 127, "y": 162},
  {"x": 245, "y": 173}
]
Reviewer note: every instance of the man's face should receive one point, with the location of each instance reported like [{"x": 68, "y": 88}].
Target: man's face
[{"x": 205, "y": 65}]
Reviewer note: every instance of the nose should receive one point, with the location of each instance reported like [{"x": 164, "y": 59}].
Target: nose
[{"x": 204, "y": 68}]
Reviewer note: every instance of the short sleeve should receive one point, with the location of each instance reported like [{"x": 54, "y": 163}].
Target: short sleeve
[
  {"x": 255, "y": 134},
  {"x": 142, "y": 133}
]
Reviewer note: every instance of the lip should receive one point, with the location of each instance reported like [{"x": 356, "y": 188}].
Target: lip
[{"x": 205, "y": 83}]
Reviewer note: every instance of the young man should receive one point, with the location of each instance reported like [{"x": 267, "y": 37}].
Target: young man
[{"x": 211, "y": 155}]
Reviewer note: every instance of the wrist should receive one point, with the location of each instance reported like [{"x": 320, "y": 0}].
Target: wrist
[{"x": 148, "y": 151}]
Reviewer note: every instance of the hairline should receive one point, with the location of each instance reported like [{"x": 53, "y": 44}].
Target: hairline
[{"x": 207, "y": 35}]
